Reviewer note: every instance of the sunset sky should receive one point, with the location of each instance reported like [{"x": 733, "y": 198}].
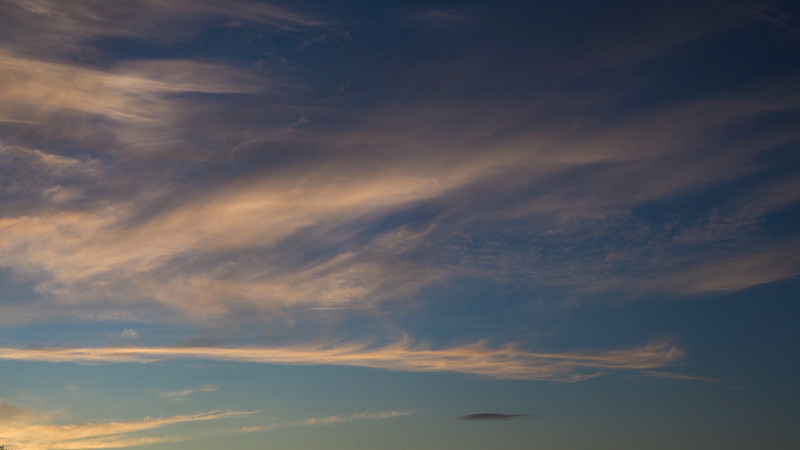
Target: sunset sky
[{"x": 399, "y": 225}]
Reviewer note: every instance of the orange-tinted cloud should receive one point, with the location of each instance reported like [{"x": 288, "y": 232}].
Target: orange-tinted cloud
[
  {"x": 478, "y": 359},
  {"x": 32, "y": 436}
]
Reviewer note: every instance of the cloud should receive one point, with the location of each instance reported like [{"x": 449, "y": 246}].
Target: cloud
[
  {"x": 34, "y": 436},
  {"x": 184, "y": 394},
  {"x": 440, "y": 17},
  {"x": 507, "y": 362},
  {"x": 771, "y": 14},
  {"x": 352, "y": 418},
  {"x": 714, "y": 275},
  {"x": 328, "y": 420},
  {"x": 130, "y": 333},
  {"x": 191, "y": 190},
  {"x": 678, "y": 376},
  {"x": 181, "y": 200},
  {"x": 44, "y": 27},
  {"x": 319, "y": 242},
  {"x": 109, "y": 252},
  {"x": 492, "y": 416},
  {"x": 135, "y": 105},
  {"x": 43, "y": 178},
  {"x": 10, "y": 412},
  {"x": 736, "y": 273},
  {"x": 626, "y": 39},
  {"x": 20, "y": 428}
]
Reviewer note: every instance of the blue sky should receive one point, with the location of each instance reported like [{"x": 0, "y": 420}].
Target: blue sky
[{"x": 434, "y": 225}]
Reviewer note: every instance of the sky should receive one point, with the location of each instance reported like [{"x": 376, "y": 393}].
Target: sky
[{"x": 393, "y": 225}]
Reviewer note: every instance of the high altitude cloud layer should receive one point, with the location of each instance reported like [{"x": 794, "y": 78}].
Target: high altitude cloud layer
[
  {"x": 194, "y": 189},
  {"x": 250, "y": 242},
  {"x": 37, "y": 436},
  {"x": 19, "y": 429},
  {"x": 491, "y": 416},
  {"x": 503, "y": 194},
  {"x": 50, "y": 28},
  {"x": 478, "y": 359}
]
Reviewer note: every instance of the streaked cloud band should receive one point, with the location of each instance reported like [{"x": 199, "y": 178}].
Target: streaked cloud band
[
  {"x": 507, "y": 362},
  {"x": 102, "y": 435}
]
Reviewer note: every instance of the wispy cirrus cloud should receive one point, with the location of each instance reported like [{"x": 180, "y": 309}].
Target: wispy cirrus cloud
[
  {"x": 505, "y": 154},
  {"x": 55, "y": 85},
  {"x": 492, "y": 416},
  {"x": 716, "y": 275},
  {"x": 35, "y": 436},
  {"x": 678, "y": 376},
  {"x": 10, "y": 412},
  {"x": 508, "y": 362},
  {"x": 23, "y": 428},
  {"x": 133, "y": 106},
  {"x": 329, "y": 420},
  {"x": 772, "y": 14},
  {"x": 46, "y": 28},
  {"x": 102, "y": 243},
  {"x": 439, "y": 17},
  {"x": 44, "y": 178},
  {"x": 173, "y": 250},
  {"x": 736, "y": 273},
  {"x": 184, "y": 394},
  {"x": 330, "y": 216}
]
